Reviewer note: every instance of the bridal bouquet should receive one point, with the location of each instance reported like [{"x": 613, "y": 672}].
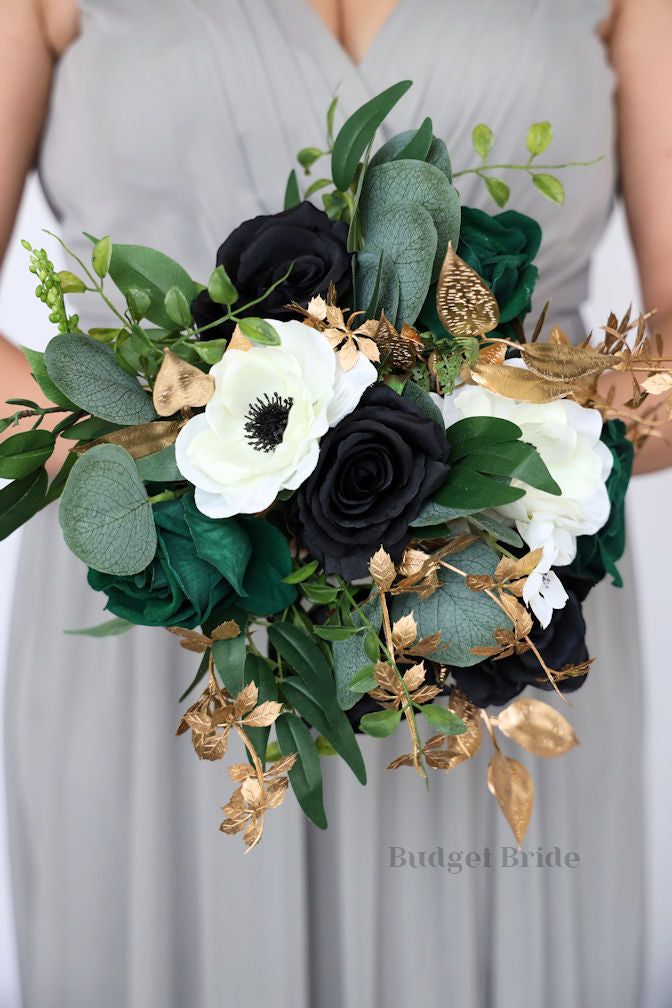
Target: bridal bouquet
[{"x": 339, "y": 472}]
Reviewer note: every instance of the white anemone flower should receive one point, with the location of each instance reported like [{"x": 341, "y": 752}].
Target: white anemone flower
[
  {"x": 260, "y": 430},
  {"x": 567, "y": 437}
]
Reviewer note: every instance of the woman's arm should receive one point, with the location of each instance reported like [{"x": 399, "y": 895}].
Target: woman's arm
[
  {"x": 640, "y": 42},
  {"x": 31, "y": 33}
]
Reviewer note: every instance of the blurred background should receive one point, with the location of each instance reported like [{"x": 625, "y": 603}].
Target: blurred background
[{"x": 613, "y": 282}]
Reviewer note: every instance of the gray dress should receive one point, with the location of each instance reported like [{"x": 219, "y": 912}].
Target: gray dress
[{"x": 170, "y": 123}]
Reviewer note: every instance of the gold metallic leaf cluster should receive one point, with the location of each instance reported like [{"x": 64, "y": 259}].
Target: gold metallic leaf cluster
[
  {"x": 180, "y": 386},
  {"x": 382, "y": 570},
  {"x": 346, "y": 338},
  {"x": 399, "y": 351},
  {"x": 444, "y": 752},
  {"x": 192, "y": 640},
  {"x": 465, "y": 303},
  {"x": 510, "y": 782},
  {"x": 247, "y": 806},
  {"x": 392, "y": 688}
]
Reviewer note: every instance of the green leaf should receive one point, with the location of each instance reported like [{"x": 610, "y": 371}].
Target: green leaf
[
  {"x": 106, "y": 518},
  {"x": 138, "y": 301},
  {"x": 331, "y": 112},
  {"x": 334, "y": 633},
  {"x": 301, "y": 573},
  {"x": 306, "y": 774},
  {"x": 376, "y": 284},
  {"x": 476, "y": 432},
  {"x": 320, "y": 594},
  {"x": 89, "y": 429},
  {"x": 177, "y": 307},
  {"x": 101, "y": 256},
  {"x": 209, "y": 351},
  {"x": 292, "y": 194},
  {"x": 70, "y": 283},
  {"x": 482, "y": 139},
  {"x": 307, "y": 157},
  {"x": 135, "y": 266},
  {"x": 499, "y": 190},
  {"x": 58, "y": 483},
  {"x": 364, "y": 680},
  {"x": 418, "y": 146},
  {"x": 381, "y": 723},
  {"x": 258, "y": 671},
  {"x": 323, "y": 747},
  {"x": 336, "y": 206},
  {"x": 229, "y": 657},
  {"x": 350, "y": 655},
  {"x": 445, "y": 720},
  {"x": 502, "y": 533},
  {"x": 424, "y": 403},
  {"x": 400, "y": 184},
  {"x": 297, "y": 648},
  {"x": 437, "y": 154},
  {"x": 436, "y": 514},
  {"x": 539, "y": 137},
  {"x": 110, "y": 628},
  {"x": 160, "y": 467},
  {"x": 41, "y": 376},
  {"x": 516, "y": 460},
  {"x": 467, "y": 488},
  {"x": 315, "y": 186},
  {"x": 550, "y": 187},
  {"x": 466, "y": 619},
  {"x": 336, "y": 730},
  {"x": 20, "y": 500},
  {"x": 408, "y": 237},
  {"x": 259, "y": 331},
  {"x": 359, "y": 130},
  {"x": 221, "y": 288},
  {"x": 22, "y": 453},
  {"x": 201, "y": 673},
  {"x": 87, "y": 373}
]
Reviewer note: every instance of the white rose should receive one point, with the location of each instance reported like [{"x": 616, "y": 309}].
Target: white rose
[
  {"x": 567, "y": 437},
  {"x": 260, "y": 431}
]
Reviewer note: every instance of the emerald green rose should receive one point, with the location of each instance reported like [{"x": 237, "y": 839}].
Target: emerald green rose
[
  {"x": 596, "y": 555},
  {"x": 501, "y": 250},
  {"x": 200, "y": 564}
]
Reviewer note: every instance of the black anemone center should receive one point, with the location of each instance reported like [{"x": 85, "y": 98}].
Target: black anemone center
[{"x": 267, "y": 421}]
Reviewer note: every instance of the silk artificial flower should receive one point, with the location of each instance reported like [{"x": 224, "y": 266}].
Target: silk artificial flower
[
  {"x": 567, "y": 437},
  {"x": 261, "y": 429}
]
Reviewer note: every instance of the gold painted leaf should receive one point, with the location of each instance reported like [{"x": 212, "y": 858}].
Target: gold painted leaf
[
  {"x": 191, "y": 640},
  {"x": 516, "y": 383},
  {"x": 414, "y": 677},
  {"x": 241, "y": 771},
  {"x": 263, "y": 715},
  {"x": 564, "y": 363},
  {"x": 140, "y": 440},
  {"x": 465, "y": 303},
  {"x": 252, "y": 834},
  {"x": 382, "y": 569},
  {"x": 180, "y": 385},
  {"x": 658, "y": 383},
  {"x": 226, "y": 630},
  {"x": 512, "y": 786},
  {"x": 210, "y": 747},
  {"x": 282, "y": 765},
  {"x": 246, "y": 700},
  {"x": 404, "y": 632},
  {"x": 399, "y": 761},
  {"x": 537, "y": 727},
  {"x": 494, "y": 353}
]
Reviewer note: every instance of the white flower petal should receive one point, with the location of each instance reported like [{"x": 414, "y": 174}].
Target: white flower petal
[{"x": 349, "y": 388}]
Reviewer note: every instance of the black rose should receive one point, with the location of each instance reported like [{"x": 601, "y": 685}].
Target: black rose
[
  {"x": 261, "y": 251},
  {"x": 560, "y": 644},
  {"x": 376, "y": 469}
]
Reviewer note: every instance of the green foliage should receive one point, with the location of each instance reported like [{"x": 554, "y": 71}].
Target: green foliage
[
  {"x": 105, "y": 516},
  {"x": 499, "y": 190},
  {"x": 539, "y": 137},
  {"x": 550, "y": 187},
  {"x": 258, "y": 671},
  {"x": 307, "y": 157},
  {"x": 466, "y": 619},
  {"x": 70, "y": 283},
  {"x": 423, "y": 402},
  {"x": 221, "y": 288},
  {"x": 22, "y": 499},
  {"x": 101, "y": 256},
  {"x": 381, "y": 723},
  {"x": 135, "y": 267},
  {"x": 335, "y": 727},
  {"x": 177, "y": 308},
  {"x": 417, "y": 147},
  {"x": 138, "y": 301},
  {"x": 397, "y": 147},
  {"x": 358, "y": 131},
  {"x": 443, "y": 720},
  {"x": 292, "y": 194},
  {"x": 350, "y": 655},
  {"x": 259, "y": 331},
  {"x": 110, "y": 628},
  {"x": 230, "y": 660},
  {"x": 160, "y": 467},
  {"x": 301, "y": 573},
  {"x": 375, "y": 278},
  {"x": 305, "y": 776},
  {"x": 482, "y": 139},
  {"x": 24, "y": 452},
  {"x": 87, "y": 373}
]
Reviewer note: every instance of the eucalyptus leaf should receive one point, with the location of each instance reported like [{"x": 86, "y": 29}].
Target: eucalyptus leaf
[
  {"x": 376, "y": 284},
  {"x": 404, "y": 183},
  {"x": 437, "y": 514},
  {"x": 41, "y": 376},
  {"x": 465, "y": 618},
  {"x": 87, "y": 373},
  {"x": 358, "y": 131},
  {"x": 24, "y": 452},
  {"x": 423, "y": 402},
  {"x": 350, "y": 656},
  {"x": 306, "y": 774},
  {"x": 501, "y": 532},
  {"x": 437, "y": 154},
  {"x": 106, "y": 518},
  {"x": 408, "y": 236},
  {"x": 418, "y": 145},
  {"x": 160, "y": 467}
]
